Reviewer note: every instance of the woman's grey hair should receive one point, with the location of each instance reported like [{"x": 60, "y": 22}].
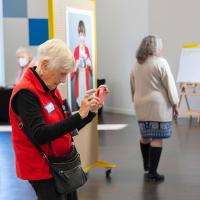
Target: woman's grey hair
[
  {"x": 56, "y": 52},
  {"x": 150, "y": 46},
  {"x": 24, "y": 50}
]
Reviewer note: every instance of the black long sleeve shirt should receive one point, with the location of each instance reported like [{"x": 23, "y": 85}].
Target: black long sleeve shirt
[{"x": 27, "y": 106}]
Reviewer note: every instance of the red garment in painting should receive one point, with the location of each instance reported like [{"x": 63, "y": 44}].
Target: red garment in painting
[{"x": 75, "y": 74}]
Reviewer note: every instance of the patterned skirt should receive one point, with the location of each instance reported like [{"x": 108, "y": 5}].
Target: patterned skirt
[{"x": 160, "y": 130}]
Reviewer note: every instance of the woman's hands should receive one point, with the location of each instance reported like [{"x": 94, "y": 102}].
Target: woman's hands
[
  {"x": 77, "y": 66},
  {"x": 88, "y": 62},
  {"x": 175, "y": 111},
  {"x": 90, "y": 102}
]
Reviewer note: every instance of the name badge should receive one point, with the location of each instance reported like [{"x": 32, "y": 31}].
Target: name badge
[{"x": 50, "y": 108}]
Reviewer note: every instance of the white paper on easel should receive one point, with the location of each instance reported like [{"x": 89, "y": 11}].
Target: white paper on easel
[{"x": 189, "y": 65}]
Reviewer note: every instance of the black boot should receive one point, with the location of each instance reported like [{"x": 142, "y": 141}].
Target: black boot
[
  {"x": 145, "y": 155},
  {"x": 154, "y": 158}
]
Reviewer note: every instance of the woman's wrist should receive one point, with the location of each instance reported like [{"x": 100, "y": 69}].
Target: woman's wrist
[
  {"x": 82, "y": 114},
  {"x": 94, "y": 111}
]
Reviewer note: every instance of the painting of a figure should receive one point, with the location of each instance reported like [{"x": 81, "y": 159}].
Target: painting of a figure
[{"x": 80, "y": 37}]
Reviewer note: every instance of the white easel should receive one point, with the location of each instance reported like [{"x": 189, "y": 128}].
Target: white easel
[
  {"x": 189, "y": 78},
  {"x": 186, "y": 90}
]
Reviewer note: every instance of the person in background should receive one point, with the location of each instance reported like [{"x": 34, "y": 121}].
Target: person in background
[
  {"x": 25, "y": 59},
  {"x": 83, "y": 65},
  {"x": 155, "y": 99},
  {"x": 38, "y": 111}
]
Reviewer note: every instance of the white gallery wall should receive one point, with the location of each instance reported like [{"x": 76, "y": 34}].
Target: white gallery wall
[
  {"x": 177, "y": 22},
  {"x": 18, "y": 26},
  {"x": 2, "y": 68},
  {"x": 120, "y": 27}
]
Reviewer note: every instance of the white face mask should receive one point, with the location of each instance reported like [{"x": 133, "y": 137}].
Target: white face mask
[
  {"x": 23, "y": 62},
  {"x": 82, "y": 39},
  {"x": 61, "y": 84}
]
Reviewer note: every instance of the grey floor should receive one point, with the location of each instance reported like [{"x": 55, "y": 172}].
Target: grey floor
[{"x": 180, "y": 162}]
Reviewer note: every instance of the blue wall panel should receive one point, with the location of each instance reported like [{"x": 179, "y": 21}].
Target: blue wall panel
[
  {"x": 15, "y": 8},
  {"x": 38, "y": 31}
]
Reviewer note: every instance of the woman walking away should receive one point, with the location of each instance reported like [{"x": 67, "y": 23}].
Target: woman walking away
[{"x": 155, "y": 99}]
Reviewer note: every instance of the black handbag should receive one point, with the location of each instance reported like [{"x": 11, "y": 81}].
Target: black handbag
[{"x": 67, "y": 172}]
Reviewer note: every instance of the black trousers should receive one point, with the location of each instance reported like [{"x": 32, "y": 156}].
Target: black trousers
[{"x": 45, "y": 190}]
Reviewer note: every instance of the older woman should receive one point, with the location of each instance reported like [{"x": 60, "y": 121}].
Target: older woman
[
  {"x": 36, "y": 102},
  {"x": 155, "y": 98},
  {"x": 25, "y": 59}
]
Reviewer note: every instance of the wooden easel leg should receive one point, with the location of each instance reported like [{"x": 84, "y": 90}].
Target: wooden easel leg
[
  {"x": 188, "y": 106},
  {"x": 186, "y": 99},
  {"x": 180, "y": 98}
]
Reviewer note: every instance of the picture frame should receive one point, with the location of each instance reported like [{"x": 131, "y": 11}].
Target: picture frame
[{"x": 80, "y": 39}]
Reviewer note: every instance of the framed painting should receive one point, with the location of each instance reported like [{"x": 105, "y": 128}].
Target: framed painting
[{"x": 80, "y": 38}]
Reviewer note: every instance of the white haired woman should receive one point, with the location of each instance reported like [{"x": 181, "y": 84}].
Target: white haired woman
[
  {"x": 155, "y": 98},
  {"x": 25, "y": 59},
  {"x": 36, "y": 102}
]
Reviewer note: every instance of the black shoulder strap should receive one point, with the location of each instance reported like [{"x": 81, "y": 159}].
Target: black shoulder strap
[
  {"x": 22, "y": 127},
  {"x": 68, "y": 110}
]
